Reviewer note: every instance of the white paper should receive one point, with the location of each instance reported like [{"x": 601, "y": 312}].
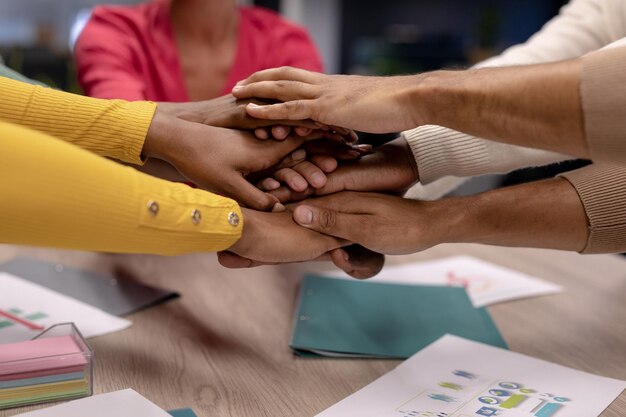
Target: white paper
[
  {"x": 40, "y": 308},
  {"x": 455, "y": 377},
  {"x": 486, "y": 283},
  {"x": 126, "y": 403}
]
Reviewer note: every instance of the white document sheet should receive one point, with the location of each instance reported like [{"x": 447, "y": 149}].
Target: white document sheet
[
  {"x": 486, "y": 283},
  {"x": 126, "y": 403},
  {"x": 455, "y": 377},
  {"x": 26, "y": 309}
]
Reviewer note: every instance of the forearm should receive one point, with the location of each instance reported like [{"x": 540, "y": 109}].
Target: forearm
[
  {"x": 546, "y": 214},
  {"x": 536, "y": 106},
  {"x": 112, "y": 128}
]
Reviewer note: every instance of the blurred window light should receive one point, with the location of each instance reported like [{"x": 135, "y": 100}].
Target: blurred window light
[
  {"x": 17, "y": 32},
  {"x": 79, "y": 23}
]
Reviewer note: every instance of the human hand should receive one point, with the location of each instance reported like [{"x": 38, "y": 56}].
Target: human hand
[
  {"x": 381, "y": 223},
  {"x": 229, "y": 112},
  {"x": 391, "y": 168},
  {"x": 218, "y": 159},
  {"x": 276, "y": 238},
  {"x": 367, "y": 104},
  {"x": 354, "y": 260},
  {"x": 302, "y": 175}
]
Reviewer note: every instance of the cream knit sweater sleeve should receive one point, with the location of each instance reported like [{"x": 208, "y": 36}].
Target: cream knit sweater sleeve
[{"x": 582, "y": 26}]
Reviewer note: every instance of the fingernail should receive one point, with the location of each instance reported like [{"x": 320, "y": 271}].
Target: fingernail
[
  {"x": 269, "y": 184},
  {"x": 346, "y": 257},
  {"x": 278, "y": 208},
  {"x": 354, "y": 154},
  {"x": 304, "y": 216},
  {"x": 240, "y": 83},
  {"x": 254, "y": 106},
  {"x": 330, "y": 166},
  {"x": 299, "y": 183},
  {"x": 280, "y": 131},
  {"x": 366, "y": 148},
  {"x": 272, "y": 183},
  {"x": 318, "y": 178},
  {"x": 298, "y": 155}
]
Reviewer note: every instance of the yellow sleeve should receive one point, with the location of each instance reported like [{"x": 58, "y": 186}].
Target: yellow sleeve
[
  {"x": 58, "y": 195},
  {"x": 112, "y": 128}
]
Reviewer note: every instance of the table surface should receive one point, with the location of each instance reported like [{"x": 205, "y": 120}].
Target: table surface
[{"x": 223, "y": 347}]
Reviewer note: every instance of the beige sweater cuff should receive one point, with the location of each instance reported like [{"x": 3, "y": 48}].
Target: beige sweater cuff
[
  {"x": 603, "y": 92},
  {"x": 602, "y": 190},
  {"x": 441, "y": 152}
]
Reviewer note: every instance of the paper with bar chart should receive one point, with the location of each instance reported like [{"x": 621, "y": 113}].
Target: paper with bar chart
[
  {"x": 26, "y": 309},
  {"x": 486, "y": 283},
  {"x": 455, "y": 377}
]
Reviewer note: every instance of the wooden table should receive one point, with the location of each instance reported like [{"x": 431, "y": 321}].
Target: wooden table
[{"x": 223, "y": 347}]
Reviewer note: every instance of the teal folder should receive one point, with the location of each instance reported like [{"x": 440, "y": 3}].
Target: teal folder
[
  {"x": 337, "y": 317},
  {"x": 185, "y": 412}
]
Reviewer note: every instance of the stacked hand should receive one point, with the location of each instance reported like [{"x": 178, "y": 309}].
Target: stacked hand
[
  {"x": 198, "y": 139},
  {"x": 390, "y": 169},
  {"x": 300, "y": 107}
]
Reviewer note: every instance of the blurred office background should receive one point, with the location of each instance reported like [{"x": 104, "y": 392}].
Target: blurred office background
[{"x": 354, "y": 36}]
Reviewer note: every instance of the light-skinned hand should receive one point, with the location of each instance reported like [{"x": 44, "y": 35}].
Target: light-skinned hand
[
  {"x": 391, "y": 168},
  {"x": 322, "y": 158},
  {"x": 366, "y": 104}
]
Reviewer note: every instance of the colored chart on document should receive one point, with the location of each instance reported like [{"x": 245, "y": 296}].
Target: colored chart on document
[
  {"x": 467, "y": 394},
  {"x": 456, "y": 377},
  {"x": 26, "y": 309}
]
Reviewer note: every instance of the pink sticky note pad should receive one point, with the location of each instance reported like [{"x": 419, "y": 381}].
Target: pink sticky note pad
[{"x": 40, "y": 356}]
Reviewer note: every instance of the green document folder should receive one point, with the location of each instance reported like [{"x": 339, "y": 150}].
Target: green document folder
[
  {"x": 185, "y": 412},
  {"x": 337, "y": 317}
]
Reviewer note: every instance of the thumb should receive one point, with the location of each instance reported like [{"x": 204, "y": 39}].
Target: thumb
[
  {"x": 249, "y": 195},
  {"x": 326, "y": 221}
]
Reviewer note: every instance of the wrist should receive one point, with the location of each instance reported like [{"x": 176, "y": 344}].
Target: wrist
[
  {"x": 417, "y": 96},
  {"x": 434, "y": 97},
  {"x": 452, "y": 220},
  {"x": 161, "y": 134},
  {"x": 405, "y": 155},
  {"x": 242, "y": 245},
  {"x": 398, "y": 156}
]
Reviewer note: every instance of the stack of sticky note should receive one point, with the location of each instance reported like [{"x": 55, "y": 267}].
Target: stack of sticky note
[
  {"x": 125, "y": 403},
  {"x": 46, "y": 369}
]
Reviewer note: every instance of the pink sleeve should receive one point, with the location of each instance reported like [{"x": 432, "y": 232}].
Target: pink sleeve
[
  {"x": 296, "y": 49},
  {"x": 104, "y": 61}
]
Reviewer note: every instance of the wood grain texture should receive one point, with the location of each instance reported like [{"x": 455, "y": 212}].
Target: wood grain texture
[{"x": 223, "y": 347}]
